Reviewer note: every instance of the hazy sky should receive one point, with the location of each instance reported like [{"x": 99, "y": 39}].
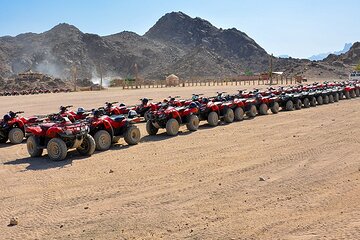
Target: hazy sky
[{"x": 299, "y": 28}]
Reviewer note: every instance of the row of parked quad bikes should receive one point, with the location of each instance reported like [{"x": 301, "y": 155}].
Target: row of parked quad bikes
[
  {"x": 34, "y": 91},
  {"x": 87, "y": 130}
]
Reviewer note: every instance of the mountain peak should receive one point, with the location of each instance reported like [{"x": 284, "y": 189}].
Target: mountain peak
[{"x": 64, "y": 28}]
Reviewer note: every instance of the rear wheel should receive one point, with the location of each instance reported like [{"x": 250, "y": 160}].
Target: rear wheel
[
  {"x": 103, "y": 140},
  {"x": 306, "y": 103},
  {"x": 319, "y": 100},
  {"x": 275, "y": 108},
  {"x": 298, "y": 104},
  {"x": 193, "y": 123},
  {"x": 336, "y": 97},
  {"x": 151, "y": 129},
  {"x": 172, "y": 127},
  {"x": 213, "y": 119},
  {"x": 289, "y": 106},
  {"x": 229, "y": 116},
  {"x": 357, "y": 92},
  {"x": 313, "y": 102},
  {"x": 87, "y": 147},
  {"x": 57, "y": 149},
  {"x": 16, "y": 135},
  {"x": 239, "y": 114},
  {"x": 347, "y": 95},
  {"x": 132, "y": 135},
  {"x": 331, "y": 98},
  {"x": 33, "y": 148},
  {"x": 352, "y": 94},
  {"x": 326, "y": 99},
  {"x": 252, "y": 112},
  {"x": 341, "y": 95},
  {"x": 263, "y": 109}
]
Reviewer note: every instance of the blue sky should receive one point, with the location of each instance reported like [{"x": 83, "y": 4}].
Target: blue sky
[{"x": 299, "y": 28}]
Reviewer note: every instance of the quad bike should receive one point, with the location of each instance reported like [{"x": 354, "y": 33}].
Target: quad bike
[
  {"x": 145, "y": 107},
  {"x": 58, "y": 138},
  {"x": 171, "y": 118},
  {"x": 109, "y": 129},
  {"x": 226, "y": 112},
  {"x": 12, "y": 127},
  {"x": 290, "y": 101},
  {"x": 255, "y": 102}
]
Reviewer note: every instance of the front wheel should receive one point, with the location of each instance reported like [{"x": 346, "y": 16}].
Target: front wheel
[
  {"x": 151, "y": 129},
  {"x": 352, "y": 94},
  {"x": 172, "y": 127},
  {"x": 57, "y": 149},
  {"x": 275, "y": 108},
  {"x": 298, "y": 104},
  {"x": 313, "y": 102},
  {"x": 239, "y": 114},
  {"x": 347, "y": 95},
  {"x": 87, "y": 147},
  {"x": 263, "y": 109},
  {"x": 33, "y": 147},
  {"x": 132, "y": 135},
  {"x": 16, "y": 135},
  {"x": 306, "y": 103},
  {"x": 326, "y": 99},
  {"x": 319, "y": 100},
  {"x": 213, "y": 119},
  {"x": 252, "y": 112},
  {"x": 193, "y": 123},
  {"x": 336, "y": 97},
  {"x": 289, "y": 106},
  {"x": 103, "y": 140},
  {"x": 229, "y": 116},
  {"x": 3, "y": 137},
  {"x": 331, "y": 98}
]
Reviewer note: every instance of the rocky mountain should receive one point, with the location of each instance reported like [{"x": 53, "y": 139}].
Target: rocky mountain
[
  {"x": 321, "y": 56},
  {"x": 351, "y": 57},
  {"x": 176, "y": 44}
]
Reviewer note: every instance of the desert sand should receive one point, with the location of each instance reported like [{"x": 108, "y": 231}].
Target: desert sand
[{"x": 199, "y": 185}]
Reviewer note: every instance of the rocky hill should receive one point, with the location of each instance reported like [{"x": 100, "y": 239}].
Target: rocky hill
[{"x": 177, "y": 43}]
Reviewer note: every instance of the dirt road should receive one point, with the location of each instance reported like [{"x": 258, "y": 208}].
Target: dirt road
[{"x": 200, "y": 185}]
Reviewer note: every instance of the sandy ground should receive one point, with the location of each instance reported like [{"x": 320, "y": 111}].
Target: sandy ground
[{"x": 200, "y": 185}]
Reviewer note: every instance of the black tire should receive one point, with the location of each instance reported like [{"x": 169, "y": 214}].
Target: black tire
[
  {"x": 319, "y": 100},
  {"x": 306, "y": 103},
  {"x": 298, "y": 104},
  {"x": 229, "y": 116},
  {"x": 341, "y": 95},
  {"x": 16, "y": 136},
  {"x": 3, "y": 139},
  {"x": 331, "y": 98},
  {"x": 313, "y": 102},
  {"x": 239, "y": 114},
  {"x": 172, "y": 127},
  {"x": 213, "y": 119},
  {"x": 193, "y": 123},
  {"x": 87, "y": 147},
  {"x": 347, "y": 95},
  {"x": 146, "y": 115},
  {"x": 275, "y": 108},
  {"x": 289, "y": 106},
  {"x": 326, "y": 99},
  {"x": 357, "y": 92},
  {"x": 103, "y": 140},
  {"x": 263, "y": 109},
  {"x": 57, "y": 149},
  {"x": 132, "y": 135},
  {"x": 352, "y": 94},
  {"x": 32, "y": 145},
  {"x": 336, "y": 97},
  {"x": 252, "y": 112},
  {"x": 151, "y": 129}
]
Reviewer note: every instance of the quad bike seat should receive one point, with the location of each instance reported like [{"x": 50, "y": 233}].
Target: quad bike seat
[
  {"x": 117, "y": 118},
  {"x": 179, "y": 109},
  {"x": 46, "y": 126}
]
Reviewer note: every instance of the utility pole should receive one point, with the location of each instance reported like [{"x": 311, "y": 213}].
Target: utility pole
[{"x": 136, "y": 74}]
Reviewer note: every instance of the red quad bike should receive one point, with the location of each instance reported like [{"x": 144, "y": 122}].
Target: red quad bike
[
  {"x": 144, "y": 108},
  {"x": 12, "y": 127},
  {"x": 110, "y": 109},
  {"x": 208, "y": 110},
  {"x": 249, "y": 101},
  {"x": 264, "y": 103},
  {"x": 108, "y": 129},
  {"x": 225, "y": 107},
  {"x": 171, "y": 118},
  {"x": 58, "y": 137}
]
